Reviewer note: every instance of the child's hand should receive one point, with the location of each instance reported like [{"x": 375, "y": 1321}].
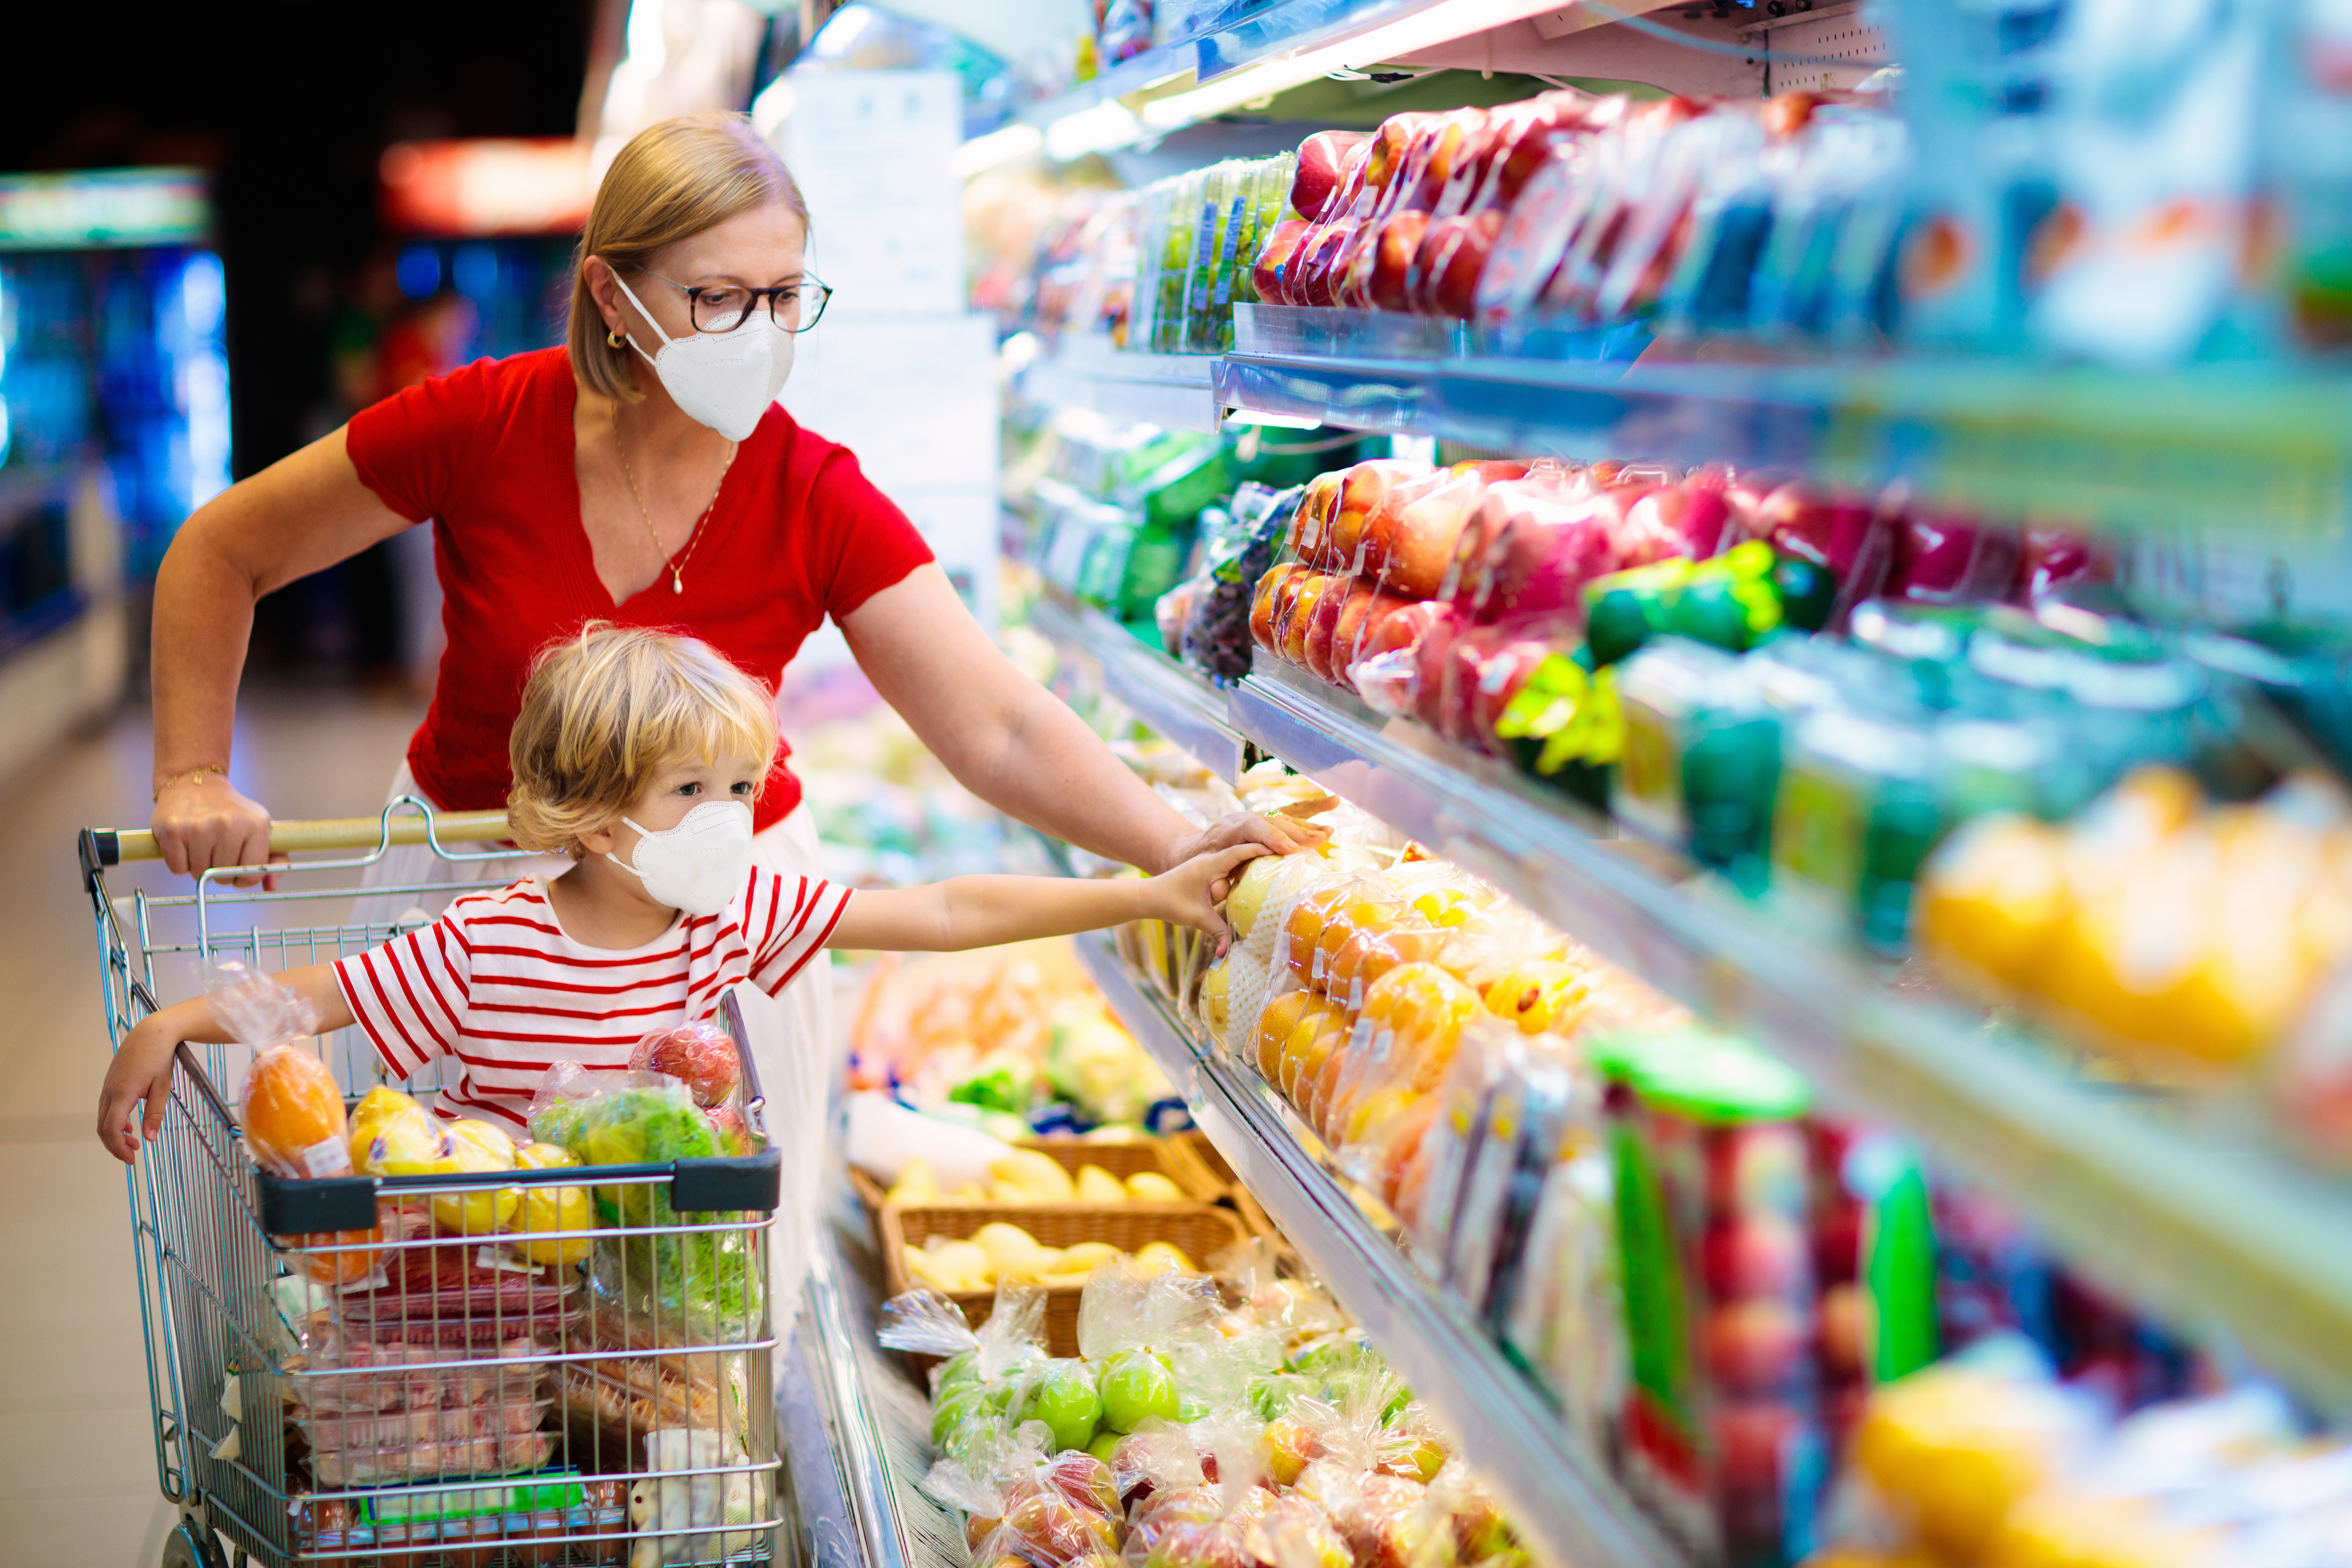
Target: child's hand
[
  {"x": 1190, "y": 894},
  {"x": 142, "y": 1069}
]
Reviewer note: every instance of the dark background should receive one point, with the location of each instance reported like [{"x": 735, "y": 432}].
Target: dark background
[{"x": 289, "y": 107}]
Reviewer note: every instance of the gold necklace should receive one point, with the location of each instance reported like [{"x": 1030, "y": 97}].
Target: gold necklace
[{"x": 676, "y": 565}]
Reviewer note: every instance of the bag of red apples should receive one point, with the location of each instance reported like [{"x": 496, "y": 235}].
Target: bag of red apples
[{"x": 1436, "y": 593}]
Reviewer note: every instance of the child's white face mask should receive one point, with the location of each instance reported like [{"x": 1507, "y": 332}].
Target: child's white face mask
[{"x": 700, "y": 864}]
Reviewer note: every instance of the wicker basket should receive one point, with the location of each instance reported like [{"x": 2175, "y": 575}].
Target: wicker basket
[
  {"x": 1123, "y": 1159},
  {"x": 1199, "y": 1230}
]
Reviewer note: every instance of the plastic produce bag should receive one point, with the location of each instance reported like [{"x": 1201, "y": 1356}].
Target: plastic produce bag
[
  {"x": 291, "y": 1108},
  {"x": 700, "y": 1055}
]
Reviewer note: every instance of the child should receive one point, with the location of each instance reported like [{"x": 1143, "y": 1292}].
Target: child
[{"x": 638, "y": 754}]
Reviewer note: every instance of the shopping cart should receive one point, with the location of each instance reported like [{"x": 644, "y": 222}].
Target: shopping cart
[{"x": 346, "y": 1371}]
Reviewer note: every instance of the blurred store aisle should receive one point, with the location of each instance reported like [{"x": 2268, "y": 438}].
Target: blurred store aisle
[{"x": 77, "y": 1455}]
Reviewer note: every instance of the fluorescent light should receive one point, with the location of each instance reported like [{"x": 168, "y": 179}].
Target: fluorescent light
[
  {"x": 1439, "y": 24},
  {"x": 996, "y": 147},
  {"x": 1098, "y": 129}
]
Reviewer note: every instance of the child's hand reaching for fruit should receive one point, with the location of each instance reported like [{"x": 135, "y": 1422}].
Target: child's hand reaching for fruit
[{"x": 1190, "y": 894}]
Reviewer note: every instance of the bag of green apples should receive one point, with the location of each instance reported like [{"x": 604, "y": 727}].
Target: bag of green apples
[{"x": 976, "y": 1375}]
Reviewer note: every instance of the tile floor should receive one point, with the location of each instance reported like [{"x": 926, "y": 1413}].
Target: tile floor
[{"x": 77, "y": 1482}]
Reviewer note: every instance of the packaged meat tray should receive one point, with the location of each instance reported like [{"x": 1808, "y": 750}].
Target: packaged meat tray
[{"x": 503, "y": 1455}]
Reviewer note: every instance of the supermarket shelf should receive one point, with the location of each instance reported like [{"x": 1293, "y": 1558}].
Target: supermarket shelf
[
  {"x": 1164, "y": 695},
  {"x": 875, "y": 1431},
  {"x": 2216, "y": 446},
  {"x": 2193, "y": 1219},
  {"x": 1172, "y": 391},
  {"x": 1559, "y": 1496}
]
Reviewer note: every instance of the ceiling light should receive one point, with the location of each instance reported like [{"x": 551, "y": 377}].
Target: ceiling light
[
  {"x": 1097, "y": 130},
  {"x": 1438, "y": 24},
  {"x": 996, "y": 147}
]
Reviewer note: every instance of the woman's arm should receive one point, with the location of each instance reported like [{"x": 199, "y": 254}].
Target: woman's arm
[
  {"x": 1009, "y": 740},
  {"x": 300, "y": 515},
  {"x": 141, "y": 1068},
  {"x": 984, "y": 911}
]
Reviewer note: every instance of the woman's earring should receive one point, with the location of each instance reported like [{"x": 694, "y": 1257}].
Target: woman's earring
[{"x": 613, "y": 338}]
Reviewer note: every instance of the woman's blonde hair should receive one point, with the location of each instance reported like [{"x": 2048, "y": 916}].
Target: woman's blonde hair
[
  {"x": 606, "y": 709},
  {"x": 672, "y": 181}
]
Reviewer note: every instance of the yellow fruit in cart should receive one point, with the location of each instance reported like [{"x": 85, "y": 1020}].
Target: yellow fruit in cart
[
  {"x": 1216, "y": 999},
  {"x": 1097, "y": 1186},
  {"x": 1993, "y": 897},
  {"x": 1152, "y": 1187},
  {"x": 1243, "y": 904},
  {"x": 391, "y": 1135},
  {"x": 1547, "y": 995},
  {"x": 552, "y": 1208},
  {"x": 476, "y": 1146}
]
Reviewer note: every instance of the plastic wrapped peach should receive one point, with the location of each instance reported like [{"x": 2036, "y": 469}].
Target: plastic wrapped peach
[
  {"x": 1315, "y": 1042},
  {"x": 1304, "y": 928},
  {"x": 1427, "y": 1008},
  {"x": 1548, "y": 996},
  {"x": 1355, "y": 916},
  {"x": 1274, "y": 1025}
]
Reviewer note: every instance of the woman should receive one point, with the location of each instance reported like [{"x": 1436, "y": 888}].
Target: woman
[{"x": 640, "y": 474}]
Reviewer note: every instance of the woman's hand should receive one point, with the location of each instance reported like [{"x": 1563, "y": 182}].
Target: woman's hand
[
  {"x": 1281, "y": 834},
  {"x": 1190, "y": 894},
  {"x": 204, "y": 822}
]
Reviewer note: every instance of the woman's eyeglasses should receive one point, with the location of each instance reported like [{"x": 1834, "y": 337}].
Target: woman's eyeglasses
[{"x": 723, "y": 307}]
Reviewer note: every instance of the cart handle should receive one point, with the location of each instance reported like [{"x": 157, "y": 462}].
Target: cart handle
[{"x": 120, "y": 846}]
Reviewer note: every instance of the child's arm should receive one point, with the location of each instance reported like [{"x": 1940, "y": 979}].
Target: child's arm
[
  {"x": 141, "y": 1068},
  {"x": 982, "y": 911}
]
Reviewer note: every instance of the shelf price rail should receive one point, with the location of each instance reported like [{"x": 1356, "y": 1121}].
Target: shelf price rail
[
  {"x": 1559, "y": 1497},
  {"x": 2188, "y": 1216}
]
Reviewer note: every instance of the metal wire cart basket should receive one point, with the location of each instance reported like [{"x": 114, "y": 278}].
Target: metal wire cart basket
[{"x": 403, "y": 1369}]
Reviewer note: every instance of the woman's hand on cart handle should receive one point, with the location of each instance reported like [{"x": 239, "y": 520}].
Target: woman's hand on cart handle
[{"x": 201, "y": 821}]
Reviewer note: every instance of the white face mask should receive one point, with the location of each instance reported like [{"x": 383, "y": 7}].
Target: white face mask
[
  {"x": 724, "y": 380},
  {"x": 700, "y": 864}
]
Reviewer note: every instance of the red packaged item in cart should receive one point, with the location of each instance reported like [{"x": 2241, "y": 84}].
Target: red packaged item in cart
[
  {"x": 1722, "y": 1424},
  {"x": 701, "y": 1056}
]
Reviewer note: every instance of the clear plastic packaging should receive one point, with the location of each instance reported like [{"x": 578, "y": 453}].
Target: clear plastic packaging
[{"x": 423, "y": 1461}]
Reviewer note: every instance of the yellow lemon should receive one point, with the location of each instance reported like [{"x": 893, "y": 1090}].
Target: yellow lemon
[
  {"x": 476, "y": 1146},
  {"x": 545, "y": 1209},
  {"x": 391, "y": 1135}
]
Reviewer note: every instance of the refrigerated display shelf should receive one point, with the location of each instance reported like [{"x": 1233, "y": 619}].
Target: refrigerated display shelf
[
  {"x": 2246, "y": 450},
  {"x": 1172, "y": 391},
  {"x": 1559, "y": 1497},
  {"x": 2183, "y": 1210},
  {"x": 874, "y": 1434}
]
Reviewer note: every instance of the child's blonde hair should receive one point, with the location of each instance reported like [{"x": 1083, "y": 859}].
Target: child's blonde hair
[{"x": 607, "y": 709}]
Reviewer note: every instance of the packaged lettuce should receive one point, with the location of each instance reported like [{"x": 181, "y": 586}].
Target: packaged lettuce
[{"x": 633, "y": 1117}]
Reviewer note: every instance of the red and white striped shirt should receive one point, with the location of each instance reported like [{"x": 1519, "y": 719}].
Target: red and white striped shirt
[{"x": 496, "y": 983}]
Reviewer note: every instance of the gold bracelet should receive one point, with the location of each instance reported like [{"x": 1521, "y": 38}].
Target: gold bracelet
[{"x": 189, "y": 777}]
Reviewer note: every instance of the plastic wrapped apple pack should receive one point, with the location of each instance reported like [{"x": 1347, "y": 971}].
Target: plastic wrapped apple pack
[{"x": 700, "y": 1055}]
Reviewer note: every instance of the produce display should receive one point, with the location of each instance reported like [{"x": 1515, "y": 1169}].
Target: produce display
[
  {"x": 1027, "y": 1176},
  {"x": 1198, "y": 233},
  {"x": 1011, "y": 1040},
  {"x": 1228, "y": 1420},
  {"x": 1000, "y": 1254}
]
